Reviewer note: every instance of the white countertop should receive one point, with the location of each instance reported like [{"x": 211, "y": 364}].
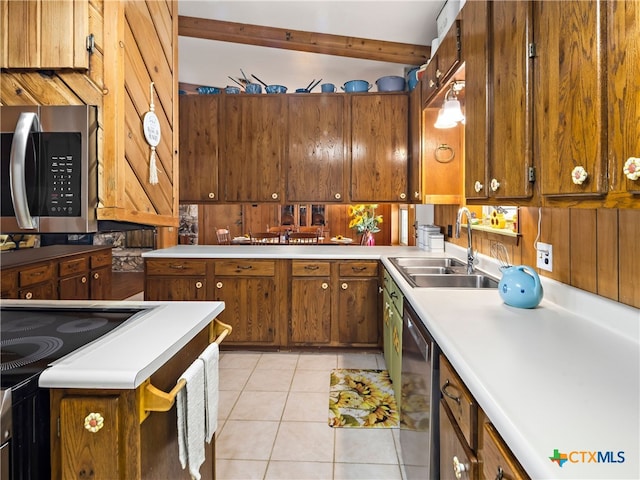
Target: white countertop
[
  {"x": 133, "y": 351},
  {"x": 565, "y": 375}
]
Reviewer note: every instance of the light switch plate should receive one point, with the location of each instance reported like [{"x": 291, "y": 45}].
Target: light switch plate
[{"x": 545, "y": 256}]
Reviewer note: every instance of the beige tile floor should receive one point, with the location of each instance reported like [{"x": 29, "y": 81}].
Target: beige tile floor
[{"x": 273, "y": 421}]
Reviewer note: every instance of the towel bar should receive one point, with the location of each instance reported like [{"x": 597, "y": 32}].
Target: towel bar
[{"x": 152, "y": 399}]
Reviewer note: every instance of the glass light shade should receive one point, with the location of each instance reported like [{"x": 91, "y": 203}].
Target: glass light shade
[
  {"x": 442, "y": 121},
  {"x": 452, "y": 111}
]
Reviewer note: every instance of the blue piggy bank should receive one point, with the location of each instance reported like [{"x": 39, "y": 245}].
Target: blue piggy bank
[{"x": 520, "y": 287}]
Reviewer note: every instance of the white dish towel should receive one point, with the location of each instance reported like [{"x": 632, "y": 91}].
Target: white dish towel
[
  {"x": 191, "y": 419},
  {"x": 210, "y": 358}
]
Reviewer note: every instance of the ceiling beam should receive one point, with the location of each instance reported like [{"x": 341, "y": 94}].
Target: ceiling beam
[{"x": 327, "y": 44}]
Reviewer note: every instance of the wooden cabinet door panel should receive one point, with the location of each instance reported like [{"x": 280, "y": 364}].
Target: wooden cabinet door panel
[
  {"x": 449, "y": 51},
  {"x": 74, "y": 288},
  {"x": 43, "y": 291},
  {"x": 379, "y": 147},
  {"x": 310, "y": 311},
  {"x": 250, "y": 308},
  {"x": 457, "y": 460},
  {"x": 475, "y": 42},
  {"x": 100, "y": 283},
  {"x": 199, "y": 145},
  {"x": 511, "y": 138},
  {"x": 623, "y": 81},
  {"x": 358, "y": 311},
  {"x": 316, "y": 156},
  {"x": 570, "y": 97},
  {"x": 254, "y": 147},
  {"x": 175, "y": 288},
  {"x": 415, "y": 145}
]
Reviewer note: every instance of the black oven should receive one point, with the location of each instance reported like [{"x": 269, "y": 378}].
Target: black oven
[
  {"x": 48, "y": 169},
  {"x": 31, "y": 339}
]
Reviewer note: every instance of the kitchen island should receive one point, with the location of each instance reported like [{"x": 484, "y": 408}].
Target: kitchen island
[
  {"x": 108, "y": 410},
  {"x": 558, "y": 382}
]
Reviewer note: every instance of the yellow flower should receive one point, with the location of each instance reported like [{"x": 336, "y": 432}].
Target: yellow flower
[{"x": 364, "y": 218}]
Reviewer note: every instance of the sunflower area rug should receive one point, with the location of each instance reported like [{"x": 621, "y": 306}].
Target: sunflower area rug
[{"x": 362, "y": 399}]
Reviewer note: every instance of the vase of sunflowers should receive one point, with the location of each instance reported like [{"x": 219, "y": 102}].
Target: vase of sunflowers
[{"x": 365, "y": 221}]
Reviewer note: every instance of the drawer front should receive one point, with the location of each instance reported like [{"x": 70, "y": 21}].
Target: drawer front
[
  {"x": 33, "y": 275},
  {"x": 176, "y": 266},
  {"x": 101, "y": 259},
  {"x": 242, "y": 268},
  {"x": 310, "y": 269},
  {"x": 498, "y": 461},
  {"x": 73, "y": 266},
  {"x": 460, "y": 401},
  {"x": 358, "y": 269}
]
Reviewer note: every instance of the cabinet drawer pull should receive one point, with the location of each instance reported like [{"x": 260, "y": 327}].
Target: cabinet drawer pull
[
  {"x": 311, "y": 267},
  {"x": 344, "y": 286},
  {"x": 96, "y": 276},
  {"x": 244, "y": 267},
  {"x": 198, "y": 284},
  {"x": 84, "y": 280},
  {"x": 177, "y": 266},
  {"x": 443, "y": 390},
  {"x": 219, "y": 285},
  {"x": 458, "y": 467},
  {"x": 358, "y": 269},
  {"x": 325, "y": 285},
  {"x": 393, "y": 295}
]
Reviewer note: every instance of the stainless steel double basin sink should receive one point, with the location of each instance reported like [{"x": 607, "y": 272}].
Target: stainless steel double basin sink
[{"x": 440, "y": 273}]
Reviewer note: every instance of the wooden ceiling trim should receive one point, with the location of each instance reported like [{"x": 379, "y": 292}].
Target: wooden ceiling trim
[{"x": 287, "y": 39}]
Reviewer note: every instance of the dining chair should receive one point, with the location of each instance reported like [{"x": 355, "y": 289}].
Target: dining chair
[
  {"x": 224, "y": 236},
  {"x": 262, "y": 238},
  {"x": 296, "y": 238}
]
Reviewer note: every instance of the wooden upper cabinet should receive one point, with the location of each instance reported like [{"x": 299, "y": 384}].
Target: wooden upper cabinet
[
  {"x": 449, "y": 51},
  {"x": 199, "y": 144},
  {"x": 623, "y": 65},
  {"x": 379, "y": 147},
  {"x": 570, "y": 98},
  {"x": 253, "y": 147},
  {"x": 430, "y": 81},
  {"x": 415, "y": 146},
  {"x": 475, "y": 42},
  {"x": 511, "y": 154},
  {"x": 316, "y": 157},
  {"x": 45, "y": 34}
]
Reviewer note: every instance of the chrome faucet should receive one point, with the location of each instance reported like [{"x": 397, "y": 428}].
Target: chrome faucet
[{"x": 471, "y": 257}]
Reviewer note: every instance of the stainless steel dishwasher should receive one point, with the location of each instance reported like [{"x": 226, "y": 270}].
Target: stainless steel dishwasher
[{"x": 419, "y": 407}]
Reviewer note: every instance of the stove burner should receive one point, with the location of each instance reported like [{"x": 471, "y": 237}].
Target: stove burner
[
  {"x": 82, "y": 325},
  {"x": 45, "y": 347},
  {"x": 26, "y": 323}
]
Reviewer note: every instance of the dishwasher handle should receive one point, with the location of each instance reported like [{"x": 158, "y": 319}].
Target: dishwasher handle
[{"x": 421, "y": 342}]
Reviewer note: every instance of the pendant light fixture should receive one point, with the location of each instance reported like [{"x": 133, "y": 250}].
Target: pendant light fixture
[{"x": 451, "y": 112}]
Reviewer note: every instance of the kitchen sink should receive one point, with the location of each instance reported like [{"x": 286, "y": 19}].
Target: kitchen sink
[
  {"x": 440, "y": 273},
  {"x": 453, "y": 281}
]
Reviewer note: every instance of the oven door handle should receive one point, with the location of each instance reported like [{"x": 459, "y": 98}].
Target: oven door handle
[{"x": 27, "y": 123}]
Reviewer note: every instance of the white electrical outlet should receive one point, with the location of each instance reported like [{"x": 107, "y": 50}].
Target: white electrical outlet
[{"x": 545, "y": 256}]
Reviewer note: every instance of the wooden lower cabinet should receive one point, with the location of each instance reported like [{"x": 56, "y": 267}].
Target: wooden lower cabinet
[
  {"x": 457, "y": 460},
  {"x": 496, "y": 458},
  {"x": 310, "y": 320},
  {"x": 278, "y": 303}
]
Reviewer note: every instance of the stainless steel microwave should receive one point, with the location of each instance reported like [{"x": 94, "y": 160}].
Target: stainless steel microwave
[{"x": 49, "y": 175}]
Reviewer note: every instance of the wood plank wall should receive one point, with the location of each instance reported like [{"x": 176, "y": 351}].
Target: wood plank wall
[
  {"x": 593, "y": 249},
  {"x": 136, "y": 43}
]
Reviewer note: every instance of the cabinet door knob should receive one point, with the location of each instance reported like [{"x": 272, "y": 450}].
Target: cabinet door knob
[
  {"x": 438, "y": 73},
  {"x": 84, "y": 280},
  {"x": 495, "y": 185},
  {"x": 458, "y": 467},
  {"x": 337, "y": 196},
  {"x": 325, "y": 285},
  {"x": 219, "y": 285},
  {"x": 344, "y": 286},
  {"x": 199, "y": 284},
  {"x": 579, "y": 175},
  {"x": 632, "y": 168},
  {"x": 478, "y": 186},
  {"x": 93, "y": 422},
  {"x": 274, "y": 196},
  {"x": 432, "y": 84},
  {"x": 29, "y": 295},
  {"x": 416, "y": 194},
  {"x": 96, "y": 276},
  {"x": 212, "y": 195},
  {"x": 403, "y": 196}
]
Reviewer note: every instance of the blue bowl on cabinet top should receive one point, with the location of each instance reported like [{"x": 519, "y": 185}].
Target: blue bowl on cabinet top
[
  {"x": 232, "y": 90},
  {"x": 412, "y": 78},
  {"x": 253, "y": 88},
  {"x": 208, "y": 90}
]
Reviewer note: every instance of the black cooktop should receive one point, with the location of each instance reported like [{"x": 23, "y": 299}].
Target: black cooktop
[{"x": 33, "y": 337}]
